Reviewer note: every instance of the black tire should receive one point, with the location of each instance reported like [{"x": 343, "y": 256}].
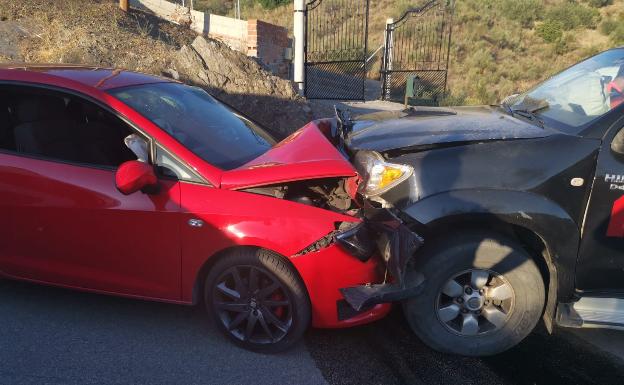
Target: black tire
[
  {"x": 275, "y": 328},
  {"x": 456, "y": 259}
]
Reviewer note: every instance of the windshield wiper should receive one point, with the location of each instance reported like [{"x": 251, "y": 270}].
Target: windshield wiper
[
  {"x": 506, "y": 106},
  {"x": 530, "y": 112},
  {"x": 529, "y": 115}
]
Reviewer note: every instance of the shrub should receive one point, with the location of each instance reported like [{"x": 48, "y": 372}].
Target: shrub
[
  {"x": 484, "y": 93},
  {"x": 614, "y": 29},
  {"x": 270, "y": 4},
  {"x": 608, "y": 26},
  {"x": 599, "y": 3},
  {"x": 218, "y": 7},
  {"x": 589, "y": 51},
  {"x": 504, "y": 38},
  {"x": 550, "y": 30},
  {"x": 453, "y": 99},
  {"x": 617, "y": 36},
  {"x": 565, "y": 44},
  {"x": 526, "y": 12},
  {"x": 573, "y": 15},
  {"x": 481, "y": 60}
]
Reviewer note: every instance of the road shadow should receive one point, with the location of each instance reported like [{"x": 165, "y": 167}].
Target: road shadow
[{"x": 388, "y": 353}]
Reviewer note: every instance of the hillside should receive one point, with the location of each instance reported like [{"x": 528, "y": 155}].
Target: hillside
[
  {"x": 98, "y": 33},
  {"x": 499, "y": 46}
]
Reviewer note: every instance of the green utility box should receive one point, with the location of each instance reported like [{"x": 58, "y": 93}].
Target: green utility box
[{"x": 418, "y": 94}]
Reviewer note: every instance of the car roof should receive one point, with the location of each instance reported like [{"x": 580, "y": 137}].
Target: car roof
[{"x": 91, "y": 76}]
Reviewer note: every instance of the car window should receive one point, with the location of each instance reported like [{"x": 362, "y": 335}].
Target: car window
[
  {"x": 171, "y": 167},
  {"x": 62, "y": 127},
  {"x": 580, "y": 94},
  {"x": 202, "y": 124}
]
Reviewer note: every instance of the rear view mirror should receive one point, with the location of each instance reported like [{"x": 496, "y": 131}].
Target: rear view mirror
[{"x": 133, "y": 176}]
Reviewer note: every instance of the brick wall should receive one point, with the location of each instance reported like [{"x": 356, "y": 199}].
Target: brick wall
[{"x": 268, "y": 42}]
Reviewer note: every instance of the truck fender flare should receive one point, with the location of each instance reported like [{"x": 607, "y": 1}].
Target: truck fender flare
[{"x": 542, "y": 216}]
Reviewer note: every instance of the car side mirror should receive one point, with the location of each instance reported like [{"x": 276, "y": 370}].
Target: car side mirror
[{"x": 133, "y": 176}]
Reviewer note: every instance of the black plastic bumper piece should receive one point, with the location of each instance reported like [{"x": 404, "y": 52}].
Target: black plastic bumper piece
[
  {"x": 358, "y": 241},
  {"x": 360, "y": 297},
  {"x": 346, "y": 311},
  {"x": 384, "y": 233},
  {"x": 397, "y": 246}
]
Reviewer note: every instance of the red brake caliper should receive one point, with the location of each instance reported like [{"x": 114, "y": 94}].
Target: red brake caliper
[{"x": 278, "y": 296}]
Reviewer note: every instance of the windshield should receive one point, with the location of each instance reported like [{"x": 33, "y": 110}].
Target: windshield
[
  {"x": 202, "y": 124},
  {"x": 578, "y": 95}
]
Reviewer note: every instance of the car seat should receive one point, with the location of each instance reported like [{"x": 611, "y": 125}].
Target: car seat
[{"x": 44, "y": 128}]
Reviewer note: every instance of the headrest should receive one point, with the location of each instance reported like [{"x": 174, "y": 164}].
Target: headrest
[
  {"x": 37, "y": 108},
  {"x": 74, "y": 110},
  {"x": 91, "y": 111}
]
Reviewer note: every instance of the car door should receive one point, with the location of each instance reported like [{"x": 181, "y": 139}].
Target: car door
[
  {"x": 600, "y": 268},
  {"x": 67, "y": 222}
]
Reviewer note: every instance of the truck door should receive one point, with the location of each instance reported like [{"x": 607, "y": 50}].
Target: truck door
[{"x": 600, "y": 268}]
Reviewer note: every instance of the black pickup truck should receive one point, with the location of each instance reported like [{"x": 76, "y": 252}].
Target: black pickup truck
[{"x": 521, "y": 207}]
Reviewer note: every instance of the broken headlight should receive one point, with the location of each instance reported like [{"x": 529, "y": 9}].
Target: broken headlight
[{"x": 379, "y": 176}]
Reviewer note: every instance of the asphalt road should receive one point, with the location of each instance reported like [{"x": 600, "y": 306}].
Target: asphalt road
[{"x": 55, "y": 336}]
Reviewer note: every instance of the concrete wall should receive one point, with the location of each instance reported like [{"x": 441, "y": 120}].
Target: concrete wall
[
  {"x": 231, "y": 31},
  {"x": 255, "y": 38}
]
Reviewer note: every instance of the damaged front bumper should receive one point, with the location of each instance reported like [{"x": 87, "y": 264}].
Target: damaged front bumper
[{"x": 382, "y": 233}]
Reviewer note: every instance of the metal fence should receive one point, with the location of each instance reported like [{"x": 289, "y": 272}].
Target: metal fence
[
  {"x": 183, "y": 3},
  {"x": 417, "y": 49},
  {"x": 336, "y": 45}
]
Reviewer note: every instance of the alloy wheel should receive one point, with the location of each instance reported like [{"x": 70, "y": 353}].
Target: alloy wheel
[
  {"x": 252, "y": 305},
  {"x": 475, "y": 302}
]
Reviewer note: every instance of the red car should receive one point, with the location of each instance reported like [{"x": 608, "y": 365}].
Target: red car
[{"x": 123, "y": 183}]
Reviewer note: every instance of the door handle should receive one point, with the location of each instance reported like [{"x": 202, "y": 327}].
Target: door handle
[{"x": 194, "y": 222}]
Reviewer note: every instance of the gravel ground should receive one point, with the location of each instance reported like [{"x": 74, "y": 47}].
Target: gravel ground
[{"x": 56, "y": 336}]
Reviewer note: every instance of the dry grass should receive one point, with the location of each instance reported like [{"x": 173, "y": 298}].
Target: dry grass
[
  {"x": 493, "y": 55},
  {"x": 95, "y": 32}
]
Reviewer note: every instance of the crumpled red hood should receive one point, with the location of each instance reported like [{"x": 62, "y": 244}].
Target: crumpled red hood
[{"x": 306, "y": 154}]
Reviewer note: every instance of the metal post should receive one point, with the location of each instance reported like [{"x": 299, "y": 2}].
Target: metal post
[
  {"x": 123, "y": 4},
  {"x": 365, "y": 51},
  {"x": 299, "y": 41},
  {"x": 386, "y": 64},
  {"x": 451, "y": 9}
]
